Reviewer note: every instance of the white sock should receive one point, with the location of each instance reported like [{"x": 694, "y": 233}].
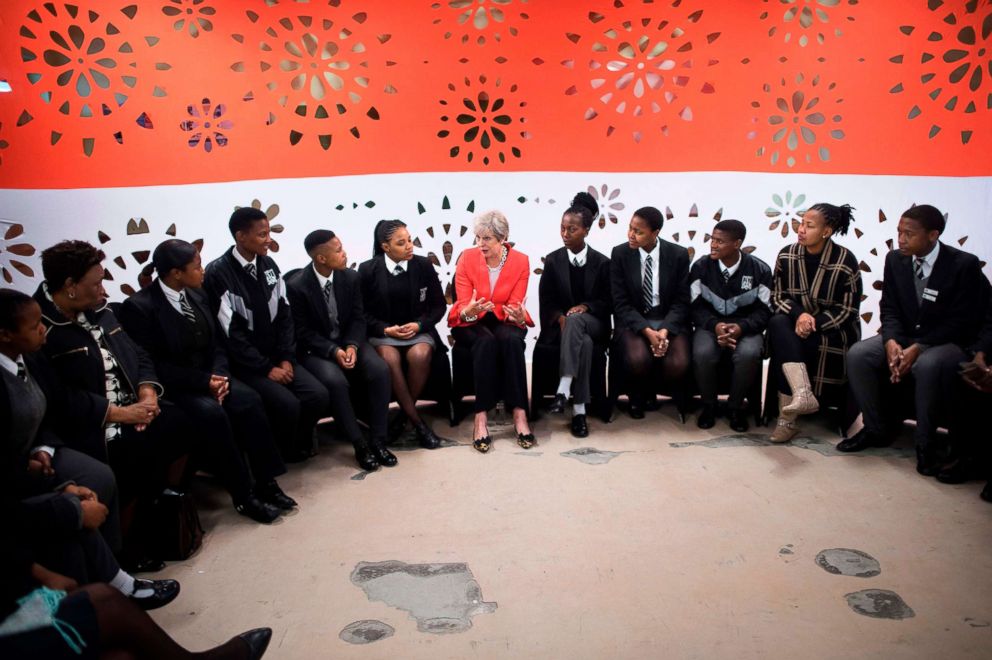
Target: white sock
[
  {"x": 125, "y": 584},
  {"x": 564, "y": 385},
  {"x": 579, "y": 409}
]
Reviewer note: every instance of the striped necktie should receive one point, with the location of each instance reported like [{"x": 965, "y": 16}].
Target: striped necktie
[
  {"x": 186, "y": 308},
  {"x": 575, "y": 262},
  {"x": 250, "y": 269},
  {"x": 398, "y": 270},
  {"x": 918, "y": 268},
  {"x": 22, "y": 372},
  {"x": 647, "y": 288},
  {"x": 726, "y": 275}
]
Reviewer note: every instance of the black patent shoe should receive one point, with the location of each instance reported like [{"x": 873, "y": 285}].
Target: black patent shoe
[
  {"x": 558, "y": 405},
  {"x": 142, "y": 565},
  {"x": 257, "y": 510},
  {"x": 272, "y": 494},
  {"x": 366, "y": 459},
  {"x": 426, "y": 437},
  {"x": 738, "y": 421},
  {"x": 383, "y": 455},
  {"x": 862, "y": 440},
  {"x": 162, "y": 593},
  {"x": 926, "y": 463},
  {"x": 257, "y": 641},
  {"x": 635, "y": 410},
  {"x": 707, "y": 417},
  {"x": 579, "y": 427},
  {"x": 959, "y": 471}
]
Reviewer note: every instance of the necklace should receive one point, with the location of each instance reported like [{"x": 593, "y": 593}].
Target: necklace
[{"x": 502, "y": 260}]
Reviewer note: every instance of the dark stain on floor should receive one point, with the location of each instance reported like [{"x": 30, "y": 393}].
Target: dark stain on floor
[
  {"x": 591, "y": 455},
  {"x": 529, "y": 453},
  {"x": 360, "y": 476},
  {"x": 366, "y": 631},
  {"x": 880, "y": 604},
  {"x": 787, "y": 550},
  {"x": 844, "y": 561},
  {"x": 820, "y": 446},
  {"x": 443, "y": 598}
]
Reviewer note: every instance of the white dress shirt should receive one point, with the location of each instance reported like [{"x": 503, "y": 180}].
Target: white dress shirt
[
  {"x": 391, "y": 265},
  {"x": 928, "y": 261},
  {"x": 729, "y": 272},
  {"x": 579, "y": 256},
  {"x": 172, "y": 296}
]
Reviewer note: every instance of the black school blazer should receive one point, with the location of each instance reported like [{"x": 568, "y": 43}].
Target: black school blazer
[
  {"x": 555, "y": 292},
  {"x": 673, "y": 280},
  {"x": 426, "y": 297},
  {"x": 313, "y": 327}
]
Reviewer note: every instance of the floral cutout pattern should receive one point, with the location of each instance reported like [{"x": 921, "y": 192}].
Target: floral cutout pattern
[
  {"x": 475, "y": 20},
  {"x": 807, "y": 18},
  {"x": 86, "y": 68},
  {"x": 445, "y": 237},
  {"x": 689, "y": 228},
  {"x": 318, "y": 71},
  {"x": 957, "y": 60},
  {"x": 3, "y": 143},
  {"x": 484, "y": 117},
  {"x": 649, "y": 66},
  {"x": 129, "y": 255},
  {"x": 786, "y": 213},
  {"x": 271, "y": 212},
  {"x": 206, "y": 124},
  {"x": 12, "y": 247},
  {"x": 191, "y": 15},
  {"x": 801, "y": 114},
  {"x": 609, "y": 204}
]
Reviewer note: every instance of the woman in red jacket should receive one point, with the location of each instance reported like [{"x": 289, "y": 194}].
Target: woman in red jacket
[{"x": 489, "y": 316}]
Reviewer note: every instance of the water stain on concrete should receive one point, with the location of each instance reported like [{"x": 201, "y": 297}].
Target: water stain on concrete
[
  {"x": 977, "y": 623},
  {"x": 529, "y": 453},
  {"x": 822, "y": 447},
  {"x": 366, "y": 631},
  {"x": 360, "y": 476},
  {"x": 443, "y": 598},
  {"x": 786, "y": 550},
  {"x": 844, "y": 561},
  {"x": 591, "y": 455},
  {"x": 880, "y": 604}
]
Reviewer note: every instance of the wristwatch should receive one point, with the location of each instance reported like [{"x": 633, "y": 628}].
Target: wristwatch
[{"x": 469, "y": 319}]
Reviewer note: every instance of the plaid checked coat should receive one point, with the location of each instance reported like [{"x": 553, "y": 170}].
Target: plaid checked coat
[{"x": 832, "y": 295}]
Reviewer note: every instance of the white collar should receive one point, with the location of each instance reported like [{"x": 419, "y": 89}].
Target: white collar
[
  {"x": 391, "y": 265},
  {"x": 581, "y": 255},
  {"x": 241, "y": 260},
  {"x": 732, "y": 269},
  {"x": 11, "y": 365},
  {"x": 321, "y": 280},
  {"x": 931, "y": 258},
  {"x": 653, "y": 253},
  {"x": 170, "y": 293}
]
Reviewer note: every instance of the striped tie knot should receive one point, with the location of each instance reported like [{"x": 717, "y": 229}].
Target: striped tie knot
[
  {"x": 22, "y": 372},
  {"x": 250, "y": 269},
  {"x": 647, "y": 288},
  {"x": 186, "y": 308}
]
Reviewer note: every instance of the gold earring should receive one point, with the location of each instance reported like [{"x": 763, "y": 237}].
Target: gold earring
[{"x": 72, "y": 294}]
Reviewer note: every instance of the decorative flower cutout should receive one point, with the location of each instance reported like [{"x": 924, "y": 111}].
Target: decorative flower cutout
[
  {"x": 85, "y": 66},
  {"x": 643, "y": 67},
  {"x": 802, "y": 114},
  {"x": 957, "y": 62},
  {"x": 487, "y": 120},
  {"x": 787, "y": 213},
  {"x": 687, "y": 230},
  {"x": 271, "y": 212},
  {"x": 481, "y": 17},
  {"x": 191, "y": 15},
  {"x": 319, "y": 70},
  {"x": 206, "y": 125},
  {"x": 10, "y": 249},
  {"x": 805, "y": 17},
  {"x": 444, "y": 239},
  {"x": 608, "y": 204},
  {"x": 3, "y": 144},
  {"x": 129, "y": 256}
]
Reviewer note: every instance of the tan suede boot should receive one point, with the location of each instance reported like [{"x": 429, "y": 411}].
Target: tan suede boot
[
  {"x": 786, "y": 428},
  {"x": 803, "y": 401}
]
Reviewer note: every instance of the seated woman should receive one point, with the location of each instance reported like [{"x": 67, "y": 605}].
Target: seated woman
[
  {"x": 490, "y": 318},
  {"x": 171, "y": 320},
  {"x": 816, "y": 297},
  {"x": 403, "y": 302},
  {"x": 575, "y": 307},
  {"x": 649, "y": 279},
  {"x": 58, "y": 519},
  {"x": 112, "y": 408}
]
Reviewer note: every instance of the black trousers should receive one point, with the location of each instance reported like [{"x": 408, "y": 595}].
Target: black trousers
[
  {"x": 293, "y": 410},
  {"x": 84, "y": 470},
  {"x": 786, "y": 346},
  {"x": 642, "y": 369},
  {"x": 498, "y": 365},
  {"x": 370, "y": 376},
  {"x": 231, "y": 431},
  {"x": 82, "y": 555}
]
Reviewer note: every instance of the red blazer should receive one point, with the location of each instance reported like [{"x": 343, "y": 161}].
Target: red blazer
[{"x": 472, "y": 273}]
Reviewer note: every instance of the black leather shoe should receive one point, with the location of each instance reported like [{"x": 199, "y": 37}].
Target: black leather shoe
[
  {"x": 959, "y": 471},
  {"x": 366, "y": 459},
  {"x": 738, "y": 421},
  {"x": 862, "y": 440},
  {"x": 142, "y": 565},
  {"x": 383, "y": 455},
  {"x": 426, "y": 437},
  {"x": 636, "y": 410},
  {"x": 987, "y": 492},
  {"x": 272, "y": 494},
  {"x": 162, "y": 593},
  {"x": 707, "y": 418},
  {"x": 580, "y": 428},
  {"x": 257, "y": 641},
  {"x": 258, "y": 510},
  {"x": 558, "y": 406},
  {"x": 926, "y": 463}
]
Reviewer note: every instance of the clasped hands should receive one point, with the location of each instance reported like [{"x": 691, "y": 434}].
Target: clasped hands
[
  {"x": 94, "y": 512},
  {"x": 727, "y": 334},
  {"x": 899, "y": 359},
  {"x": 282, "y": 374},
  {"x": 577, "y": 309},
  {"x": 978, "y": 374},
  {"x": 139, "y": 414},
  {"x": 405, "y": 331},
  {"x": 657, "y": 340},
  {"x": 805, "y": 325}
]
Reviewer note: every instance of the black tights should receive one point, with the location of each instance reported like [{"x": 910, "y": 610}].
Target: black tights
[{"x": 408, "y": 386}]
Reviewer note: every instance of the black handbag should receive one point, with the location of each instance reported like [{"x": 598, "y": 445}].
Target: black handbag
[{"x": 173, "y": 530}]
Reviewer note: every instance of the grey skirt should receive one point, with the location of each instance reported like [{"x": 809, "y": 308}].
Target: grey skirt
[{"x": 422, "y": 338}]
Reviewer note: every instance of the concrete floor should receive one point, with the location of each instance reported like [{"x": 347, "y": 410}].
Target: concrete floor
[{"x": 663, "y": 551}]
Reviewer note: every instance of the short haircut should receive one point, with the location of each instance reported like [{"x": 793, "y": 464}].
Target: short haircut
[
  {"x": 652, "y": 216},
  {"x": 735, "y": 228},
  {"x": 12, "y": 305},
  {"x": 838, "y": 217},
  {"x": 929, "y": 216},
  {"x": 585, "y": 207},
  {"x": 316, "y": 238},
  {"x": 173, "y": 253},
  {"x": 493, "y": 221},
  {"x": 243, "y": 218},
  {"x": 68, "y": 260}
]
